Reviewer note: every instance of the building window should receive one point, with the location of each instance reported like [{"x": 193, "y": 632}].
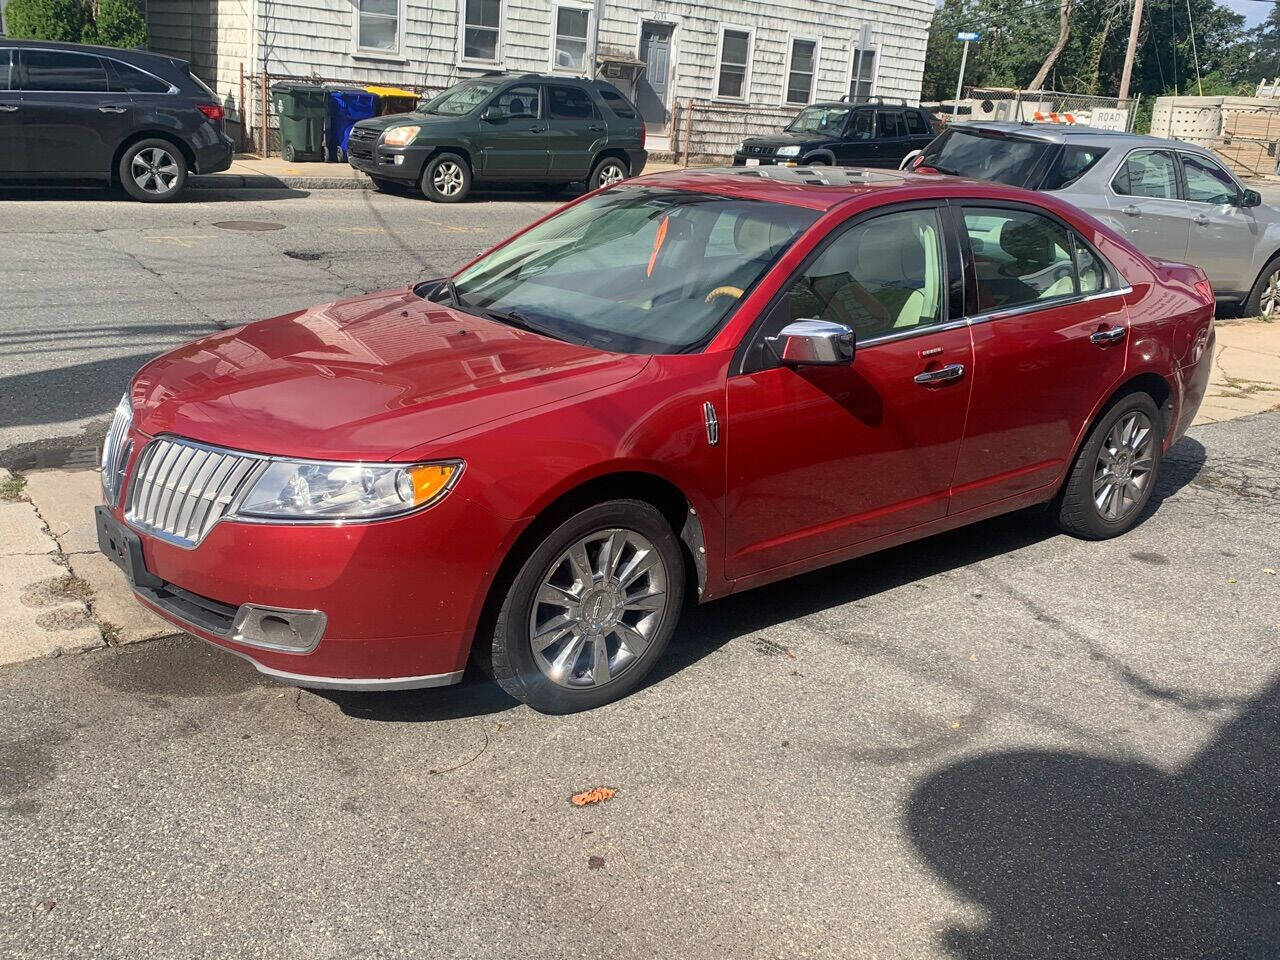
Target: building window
[
  {"x": 863, "y": 77},
  {"x": 800, "y": 70},
  {"x": 735, "y": 57},
  {"x": 378, "y": 25},
  {"x": 482, "y": 22},
  {"x": 572, "y": 24}
]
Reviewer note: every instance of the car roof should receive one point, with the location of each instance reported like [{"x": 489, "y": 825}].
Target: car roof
[
  {"x": 823, "y": 187},
  {"x": 1077, "y": 134},
  {"x": 141, "y": 57}
]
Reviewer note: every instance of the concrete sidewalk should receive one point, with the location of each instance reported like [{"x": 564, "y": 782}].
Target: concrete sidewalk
[
  {"x": 273, "y": 173},
  {"x": 59, "y": 594}
]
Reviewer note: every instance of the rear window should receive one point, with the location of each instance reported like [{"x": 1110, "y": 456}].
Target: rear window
[
  {"x": 619, "y": 104},
  {"x": 1072, "y": 164},
  {"x": 569, "y": 103},
  {"x": 985, "y": 157},
  {"x": 133, "y": 80}
]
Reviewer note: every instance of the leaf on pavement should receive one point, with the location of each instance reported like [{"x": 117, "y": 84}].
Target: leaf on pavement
[{"x": 595, "y": 795}]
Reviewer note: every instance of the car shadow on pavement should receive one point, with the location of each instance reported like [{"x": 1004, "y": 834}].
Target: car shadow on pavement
[
  {"x": 97, "y": 193},
  {"x": 71, "y": 392},
  {"x": 1073, "y": 856}
]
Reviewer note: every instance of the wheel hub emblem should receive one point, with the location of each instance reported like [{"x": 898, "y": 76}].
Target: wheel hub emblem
[{"x": 600, "y": 608}]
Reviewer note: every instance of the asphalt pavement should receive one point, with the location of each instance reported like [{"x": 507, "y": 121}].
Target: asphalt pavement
[{"x": 998, "y": 743}]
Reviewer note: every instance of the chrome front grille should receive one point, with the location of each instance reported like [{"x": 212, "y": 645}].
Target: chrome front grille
[{"x": 181, "y": 489}]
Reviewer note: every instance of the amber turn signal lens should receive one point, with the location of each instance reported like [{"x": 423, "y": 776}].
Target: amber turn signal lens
[{"x": 431, "y": 480}]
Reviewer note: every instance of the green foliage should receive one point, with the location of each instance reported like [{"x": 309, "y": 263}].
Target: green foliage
[
  {"x": 46, "y": 19},
  {"x": 118, "y": 23}
]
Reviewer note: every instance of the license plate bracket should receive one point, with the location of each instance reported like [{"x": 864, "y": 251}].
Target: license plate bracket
[{"x": 123, "y": 547}]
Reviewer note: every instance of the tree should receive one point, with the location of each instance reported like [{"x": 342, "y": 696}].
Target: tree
[
  {"x": 1064, "y": 34},
  {"x": 63, "y": 20},
  {"x": 118, "y": 23}
]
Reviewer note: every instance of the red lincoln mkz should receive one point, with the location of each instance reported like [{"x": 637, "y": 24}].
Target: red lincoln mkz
[{"x": 683, "y": 386}]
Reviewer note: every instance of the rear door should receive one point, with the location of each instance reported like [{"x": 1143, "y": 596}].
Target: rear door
[
  {"x": 576, "y": 131},
  {"x": 11, "y": 151},
  {"x": 515, "y": 143},
  {"x": 1222, "y": 233},
  {"x": 1146, "y": 204},
  {"x": 71, "y": 120},
  {"x": 1049, "y": 328},
  {"x": 919, "y": 132}
]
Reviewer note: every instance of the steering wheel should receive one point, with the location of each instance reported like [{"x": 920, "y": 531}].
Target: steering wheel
[{"x": 725, "y": 291}]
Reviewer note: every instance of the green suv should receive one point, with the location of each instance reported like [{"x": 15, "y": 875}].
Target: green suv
[{"x": 551, "y": 131}]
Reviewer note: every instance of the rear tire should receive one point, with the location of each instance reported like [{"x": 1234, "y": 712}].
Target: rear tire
[
  {"x": 446, "y": 178},
  {"x": 568, "y": 638},
  {"x": 607, "y": 172},
  {"x": 1115, "y": 472},
  {"x": 153, "y": 171}
]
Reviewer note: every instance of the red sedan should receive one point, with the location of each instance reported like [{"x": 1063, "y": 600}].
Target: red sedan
[{"x": 677, "y": 388}]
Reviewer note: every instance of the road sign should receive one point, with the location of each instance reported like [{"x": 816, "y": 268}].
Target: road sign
[{"x": 969, "y": 37}]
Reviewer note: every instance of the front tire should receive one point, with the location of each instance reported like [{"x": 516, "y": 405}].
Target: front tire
[
  {"x": 607, "y": 172},
  {"x": 153, "y": 171},
  {"x": 590, "y": 610},
  {"x": 1115, "y": 472},
  {"x": 446, "y": 178}
]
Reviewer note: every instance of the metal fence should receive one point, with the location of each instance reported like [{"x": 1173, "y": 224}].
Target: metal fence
[
  {"x": 1048, "y": 106},
  {"x": 703, "y": 131}
]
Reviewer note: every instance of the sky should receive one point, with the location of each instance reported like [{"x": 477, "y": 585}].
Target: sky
[{"x": 1254, "y": 11}]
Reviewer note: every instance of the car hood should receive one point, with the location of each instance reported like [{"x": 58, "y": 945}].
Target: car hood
[
  {"x": 403, "y": 119},
  {"x": 785, "y": 138},
  {"x": 366, "y": 378}
]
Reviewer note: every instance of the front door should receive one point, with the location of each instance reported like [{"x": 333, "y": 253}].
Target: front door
[
  {"x": 652, "y": 98},
  {"x": 824, "y": 457},
  {"x": 1222, "y": 232},
  {"x": 10, "y": 115},
  {"x": 1146, "y": 204},
  {"x": 891, "y": 143},
  {"x": 514, "y": 135},
  {"x": 1048, "y": 341},
  {"x": 576, "y": 131},
  {"x": 857, "y": 147},
  {"x": 72, "y": 123}
]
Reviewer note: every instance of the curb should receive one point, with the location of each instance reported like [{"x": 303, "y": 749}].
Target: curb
[{"x": 236, "y": 181}]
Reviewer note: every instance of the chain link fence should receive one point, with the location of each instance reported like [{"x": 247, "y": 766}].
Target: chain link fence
[{"x": 1047, "y": 106}]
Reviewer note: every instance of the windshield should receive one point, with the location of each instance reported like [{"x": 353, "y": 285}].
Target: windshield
[
  {"x": 633, "y": 270},
  {"x": 459, "y": 99},
  {"x": 983, "y": 157},
  {"x": 819, "y": 120}
]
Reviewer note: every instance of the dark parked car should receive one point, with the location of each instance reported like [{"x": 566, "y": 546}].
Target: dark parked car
[
  {"x": 74, "y": 112},
  {"x": 531, "y": 129},
  {"x": 842, "y": 134}
]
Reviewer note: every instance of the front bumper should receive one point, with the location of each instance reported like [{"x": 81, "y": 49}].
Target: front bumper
[
  {"x": 740, "y": 160},
  {"x": 388, "y": 163},
  {"x": 398, "y": 599}
]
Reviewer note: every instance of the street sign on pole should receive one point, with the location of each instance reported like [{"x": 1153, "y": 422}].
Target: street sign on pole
[
  {"x": 965, "y": 37},
  {"x": 968, "y": 37}
]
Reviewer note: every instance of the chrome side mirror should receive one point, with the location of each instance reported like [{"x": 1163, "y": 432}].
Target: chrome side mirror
[{"x": 813, "y": 342}]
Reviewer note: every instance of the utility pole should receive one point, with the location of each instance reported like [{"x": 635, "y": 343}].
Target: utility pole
[{"x": 1127, "y": 73}]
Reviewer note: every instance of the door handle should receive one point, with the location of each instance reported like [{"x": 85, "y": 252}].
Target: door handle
[
  {"x": 537, "y": 128},
  {"x": 1201, "y": 221},
  {"x": 1110, "y": 335},
  {"x": 1131, "y": 211},
  {"x": 952, "y": 371},
  {"x": 111, "y": 109},
  {"x": 8, "y": 108}
]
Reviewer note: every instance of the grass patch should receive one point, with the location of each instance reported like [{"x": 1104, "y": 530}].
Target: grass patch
[{"x": 12, "y": 486}]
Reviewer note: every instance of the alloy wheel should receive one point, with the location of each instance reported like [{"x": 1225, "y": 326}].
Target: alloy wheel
[
  {"x": 598, "y": 607},
  {"x": 154, "y": 170},
  {"x": 447, "y": 179},
  {"x": 1269, "y": 302},
  {"x": 612, "y": 173},
  {"x": 1124, "y": 467}
]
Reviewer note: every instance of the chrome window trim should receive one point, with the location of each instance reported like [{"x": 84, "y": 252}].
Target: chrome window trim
[
  {"x": 172, "y": 91},
  {"x": 910, "y": 332},
  {"x": 1173, "y": 155},
  {"x": 1036, "y": 305}
]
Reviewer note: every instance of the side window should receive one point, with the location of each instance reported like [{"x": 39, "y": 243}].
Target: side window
[
  {"x": 1207, "y": 182},
  {"x": 915, "y": 124},
  {"x": 863, "y": 125},
  {"x": 1072, "y": 164},
  {"x": 887, "y": 123},
  {"x": 878, "y": 277},
  {"x": 619, "y": 104},
  {"x": 6, "y": 69},
  {"x": 61, "y": 72},
  {"x": 519, "y": 103},
  {"x": 132, "y": 80},
  {"x": 1147, "y": 173},
  {"x": 569, "y": 103},
  {"x": 1021, "y": 257}
]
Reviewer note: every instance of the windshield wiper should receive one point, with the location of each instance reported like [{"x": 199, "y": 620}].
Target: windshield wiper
[{"x": 514, "y": 318}]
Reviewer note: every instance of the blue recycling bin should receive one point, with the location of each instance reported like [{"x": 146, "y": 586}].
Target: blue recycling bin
[{"x": 345, "y": 108}]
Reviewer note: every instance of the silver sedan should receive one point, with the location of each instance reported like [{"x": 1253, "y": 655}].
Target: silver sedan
[{"x": 1174, "y": 200}]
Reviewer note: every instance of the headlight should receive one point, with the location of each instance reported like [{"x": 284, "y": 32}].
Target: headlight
[
  {"x": 305, "y": 490},
  {"x": 115, "y": 451},
  {"x": 400, "y": 136},
  {"x": 788, "y": 151}
]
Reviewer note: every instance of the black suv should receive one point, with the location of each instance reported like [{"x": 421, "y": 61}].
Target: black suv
[
  {"x": 501, "y": 128},
  {"x": 842, "y": 134},
  {"x": 75, "y": 112}
]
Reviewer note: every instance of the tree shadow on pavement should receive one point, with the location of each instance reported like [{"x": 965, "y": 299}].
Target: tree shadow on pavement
[
  {"x": 97, "y": 193},
  {"x": 1075, "y": 856}
]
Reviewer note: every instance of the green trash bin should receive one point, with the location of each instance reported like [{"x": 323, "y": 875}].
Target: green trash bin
[{"x": 303, "y": 110}]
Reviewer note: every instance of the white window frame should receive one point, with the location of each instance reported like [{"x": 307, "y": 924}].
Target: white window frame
[
  {"x": 813, "y": 77},
  {"x": 746, "y": 73},
  {"x": 589, "y": 55},
  {"x": 463, "y": 59},
  {"x": 377, "y": 53},
  {"x": 854, "y": 49}
]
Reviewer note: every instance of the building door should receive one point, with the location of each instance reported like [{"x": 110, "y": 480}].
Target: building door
[{"x": 652, "y": 90}]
